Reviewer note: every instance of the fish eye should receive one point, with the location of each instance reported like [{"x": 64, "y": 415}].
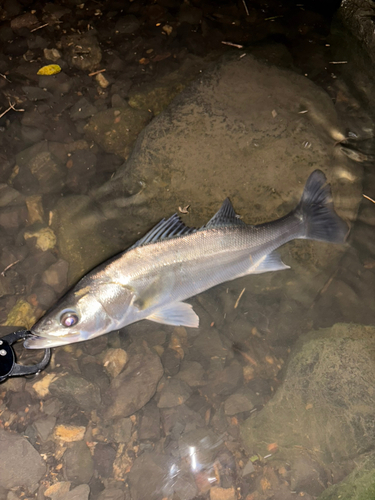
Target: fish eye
[{"x": 69, "y": 318}]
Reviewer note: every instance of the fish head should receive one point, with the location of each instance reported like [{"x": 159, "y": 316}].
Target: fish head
[{"x": 82, "y": 314}]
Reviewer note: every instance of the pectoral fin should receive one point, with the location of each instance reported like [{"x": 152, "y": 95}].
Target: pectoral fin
[
  {"x": 177, "y": 314},
  {"x": 271, "y": 262}
]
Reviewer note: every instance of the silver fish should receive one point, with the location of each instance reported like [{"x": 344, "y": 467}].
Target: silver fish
[{"x": 152, "y": 279}]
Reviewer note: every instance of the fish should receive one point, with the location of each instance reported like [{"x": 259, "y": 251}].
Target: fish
[{"x": 173, "y": 262}]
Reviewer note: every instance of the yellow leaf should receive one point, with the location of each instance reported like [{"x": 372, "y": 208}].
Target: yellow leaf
[{"x": 51, "y": 69}]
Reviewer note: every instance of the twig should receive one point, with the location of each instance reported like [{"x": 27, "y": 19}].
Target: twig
[
  {"x": 39, "y": 28},
  {"x": 338, "y": 62},
  {"x": 5, "y": 78},
  {"x": 97, "y": 72},
  {"x": 11, "y": 106},
  {"x": 246, "y": 9},
  {"x": 368, "y": 198},
  {"x": 233, "y": 44},
  {"x": 8, "y": 267},
  {"x": 239, "y": 298}
]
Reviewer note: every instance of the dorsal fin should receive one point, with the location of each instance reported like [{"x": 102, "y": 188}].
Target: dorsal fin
[
  {"x": 165, "y": 229},
  {"x": 225, "y": 216}
]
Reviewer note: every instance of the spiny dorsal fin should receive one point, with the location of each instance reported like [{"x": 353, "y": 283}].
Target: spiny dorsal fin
[
  {"x": 225, "y": 216},
  {"x": 165, "y": 229}
]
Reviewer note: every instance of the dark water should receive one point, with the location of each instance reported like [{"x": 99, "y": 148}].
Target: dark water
[{"x": 250, "y": 405}]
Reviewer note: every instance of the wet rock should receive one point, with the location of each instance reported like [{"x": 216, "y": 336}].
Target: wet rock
[
  {"x": 27, "y": 20},
  {"x": 192, "y": 373},
  {"x": 83, "y": 52},
  {"x": 209, "y": 344},
  {"x": 127, "y": 24},
  {"x": 81, "y": 492},
  {"x": 36, "y": 94},
  {"x": 6, "y": 286},
  {"x": 44, "y": 167},
  {"x": 52, "y": 54},
  {"x": 111, "y": 494},
  {"x": 45, "y": 296},
  {"x": 171, "y": 362},
  {"x": 122, "y": 429},
  {"x": 36, "y": 263},
  {"x": 82, "y": 109},
  {"x": 31, "y": 135},
  {"x": 104, "y": 456},
  {"x": 58, "y": 490},
  {"x": 217, "y": 493},
  {"x": 175, "y": 420},
  {"x": 52, "y": 407},
  {"x": 189, "y": 14},
  {"x": 45, "y": 239},
  {"x": 70, "y": 388},
  {"x": 149, "y": 426},
  {"x": 44, "y": 427},
  {"x": 78, "y": 463},
  {"x": 69, "y": 433},
  {"x": 59, "y": 84},
  {"x": 175, "y": 392},
  {"x": 16, "y": 450},
  {"x": 22, "y": 314},
  {"x": 94, "y": 371},
  {"x": 242, "y": 400},
  {"x": 9, "y": 196},
  {"x": 81, "y": 169},
  {"x": 359, "y": 485},
  {"x": 114, "y": 361},
  {"x": 18, "y": 401},
  {"x": 225, "y": 382},
  {"x": 12, "y": 217},
  {"x": 327, "y": 389},
  {"x": 116, "y": 130},
  {"x": 56, "y": 276},
  {"x": 35, "y": 208},
  {"x": 135, "y": 385}
]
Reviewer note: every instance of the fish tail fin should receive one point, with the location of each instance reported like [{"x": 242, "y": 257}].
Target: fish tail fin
[{"x": 320, "y": 221}]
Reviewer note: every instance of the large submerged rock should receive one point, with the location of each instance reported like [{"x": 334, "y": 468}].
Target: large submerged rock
[{"x": 323, "y": 413}]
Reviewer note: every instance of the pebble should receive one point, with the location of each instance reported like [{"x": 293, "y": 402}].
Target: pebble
[
  {"x": 122, "y": 429},
  {"x": 104, "y": 456},
  {"x": 44, "y": 427},
  {"x": 135, "y": 385},
  {"x": 242, "y": 400},
  {"x": 16, "y": 450},
  {"x": 27, "y": 20},
  {"x": 52, "y": 55},
  {"x": 217, "y": 493},
  {"x": 82, "y": 51},
  {"x": 111, "y": 494},
  {"x": 45, "y": 238},
  {"x": 127, "y": 25},
  {"x": 58, "y": 490},
  {"x": 82, "y": 109},
  {"x": 174, "y": 393},
  {"x": 69, "y": 433},
  {"x": 192, "y": 373},
  {"x": 149, "y": 426},
  {"x": 13, "y": 217},
  {"x": 81, "y": 492},
  {"x": 59, "y": 84},
  {"x": 102, "y": 80},
  {"x": 75, "y": 389},
  {"x": 114, "y": 361},
  {"x": 36, "y": 94},
  {"x": 171, "y": 362},
  {"x": 22, "y": 314},
  {"x": 78, "y": 463},
  {"x": 56, "y": 276},
  {"x": 225, "y": 382},
  {"x": 9, "y": 196}
]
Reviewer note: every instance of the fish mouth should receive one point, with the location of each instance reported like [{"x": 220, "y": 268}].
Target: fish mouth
[{"x": 38, "y": 342}]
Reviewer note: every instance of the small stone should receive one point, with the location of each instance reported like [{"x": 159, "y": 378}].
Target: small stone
[
  {"x": 82, "y": 109},
  {"x": 27, "y": 20},
  {"x": 127, "y": 25},
  {"x": 52, "y": 54},
  {"x": 225, "y": 382},
  {"x": 218, "y": 493},
  {"x": 73, "y": 388},
  {"x": 31, "y": 135},
  {"x": 82, "y": 51},
  {"x": 52, "y": 407},
  {"x": 171, "y": 362},
  {"x": 102, "y": 80},
  {"x": 58, "y": 490},
  {"x": 78, "y": 463},
  {"x": 81, "y": 492},
  {"x": 192, "y": 373},
  {"x": 24, "y": 465},
  {"x": 239, "y": 402},
  {"x": 59, "y": 84},
  {"x": 35, "y": 209},
  {"x": 22, "y": 314},
  {"x": 6, "y": 286},
  {"x": 12, "y": 218},
  {"x": 8, "y": 195},
  {"x": 149, "y": 426},
  {"x": 114, "y": 361},
  {"x": 56, "y": 276},
  {"x": 42, "y": 386},
  {"x": 104, "y": 456},
  {"x": 69, "y": 433},
  {"x": 248, "y": 469},
  {"x": 44, "y": 427},
  {"x": 111, "y": 494},
  {"x": 122, "y": 430},
  {"x": 45, "y": 238},
  {"x": 175, "y": 392},
  {"x": 36, "y": 93}
]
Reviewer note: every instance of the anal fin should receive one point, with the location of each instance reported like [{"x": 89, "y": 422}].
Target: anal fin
[
  {"x": 177, "y": 314},
  {"x": 271, "y": 262}
]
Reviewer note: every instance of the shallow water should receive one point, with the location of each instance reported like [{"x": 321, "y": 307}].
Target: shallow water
[{"x": 249, "y": 405}]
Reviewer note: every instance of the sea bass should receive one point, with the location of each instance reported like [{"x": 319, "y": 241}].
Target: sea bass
[{"x": 173, "y": 262}]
